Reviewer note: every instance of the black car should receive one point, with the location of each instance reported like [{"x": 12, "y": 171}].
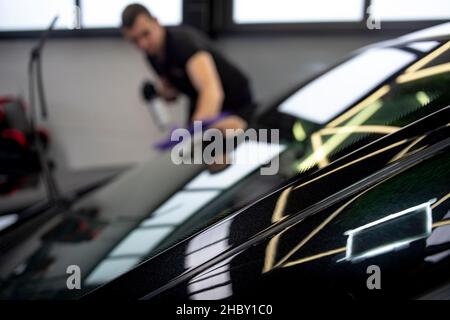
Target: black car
[{"x": 362, "y": 191}]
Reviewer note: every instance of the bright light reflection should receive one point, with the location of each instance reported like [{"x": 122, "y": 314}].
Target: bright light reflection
[
  {"x": 248, "y": 157},
  {"x": 329, "y": 95},
  {"x": 8, "y": 220},
  {"x": 355, "y": 234},
  {"x": 180, "y": 207},
  {"x": 110, "y": 269}
]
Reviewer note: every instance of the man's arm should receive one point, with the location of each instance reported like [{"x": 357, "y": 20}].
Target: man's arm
[{"x": 204, "y": 76}]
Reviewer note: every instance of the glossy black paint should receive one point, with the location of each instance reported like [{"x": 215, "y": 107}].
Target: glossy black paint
[{"x": 310, "y": 202}]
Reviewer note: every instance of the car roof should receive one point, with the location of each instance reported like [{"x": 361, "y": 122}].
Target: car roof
[
  {"x": 432, "y": 33},
  {"x": 438, "y": 32}
]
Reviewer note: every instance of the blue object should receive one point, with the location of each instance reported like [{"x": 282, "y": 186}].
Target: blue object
[{"x": 168, "y": 143}]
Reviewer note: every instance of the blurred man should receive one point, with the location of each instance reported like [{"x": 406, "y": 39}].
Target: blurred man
[{"x": 186, "y": 62}]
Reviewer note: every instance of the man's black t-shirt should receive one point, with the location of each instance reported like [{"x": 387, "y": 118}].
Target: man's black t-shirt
[{"x": 180, "y": 45}]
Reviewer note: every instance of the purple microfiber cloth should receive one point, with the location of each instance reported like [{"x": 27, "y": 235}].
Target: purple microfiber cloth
[{"x": 168, "y": 143}]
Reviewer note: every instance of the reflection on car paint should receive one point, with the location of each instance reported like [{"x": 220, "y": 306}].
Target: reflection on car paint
[
  {"x": 363, "y": 111},
  {"x": 214, "y": 283},
  {"x": 283, "y": 263},
  {"x": 320, "y": 100},
  {"x": 372, "y": 239}
]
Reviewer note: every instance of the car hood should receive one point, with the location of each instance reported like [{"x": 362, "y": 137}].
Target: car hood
[{"x": 250, "y": 238}]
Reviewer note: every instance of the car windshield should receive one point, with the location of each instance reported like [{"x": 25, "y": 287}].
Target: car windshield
[
  {"x": 374, "y": 99},
  {"x": 321, "y": 100},
  {"x": 112, "y": 229}
]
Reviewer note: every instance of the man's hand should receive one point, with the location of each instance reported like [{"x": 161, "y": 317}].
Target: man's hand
[
  {"x": 166, "y": 90},
  {"x": 204, "y": 76}
]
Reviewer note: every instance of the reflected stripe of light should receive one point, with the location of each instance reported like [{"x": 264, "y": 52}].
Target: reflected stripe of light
[
  {"x": 209, "y": 285},
  {"x": 441, "y": 224},
  {"x": 360, "y": 106},
  {"x": 441, "y": 201},
  {"x": 7, "y": 220},
  {"x": 392, "y": 217},
  {"x": 245, "y": 159},
  {"x": 343, "y": 249},
  {"x": 310, "y": 236},
  {"x": 281, "y": 205},
  {"x": 212, "y": 273},
  {"x": 205, "y": 253},
  {"x": 325, "y": 223},
  {"x": 424, "y": 46},
  {"x": 353, "y": 162},
  {"x": 359, "y": 129},
  {"x": 340, "y": 250},
  {"x": 271, "y": 248},
  {"x": 141, "y": 241},
  {"x": 217, "y": 293},
  {"x": 180, "y": 207},
  {"x": 428, "y": 58},
  {"x": 381, "y": 250},
  {"x": 315, "y": 257},
  {"x": 374, "y": 249},
  {"x": 402, "y": 153},
  {"x": 320, "y": 152},
  {"x": 109, "y": 269},
  {"x": 424, "y": 73},
  {"x": 321, "y": 156},
  {"x": 221, "y": 267}
]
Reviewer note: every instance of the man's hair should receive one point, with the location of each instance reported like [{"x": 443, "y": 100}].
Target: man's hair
[{"x": 131, "y": 12}]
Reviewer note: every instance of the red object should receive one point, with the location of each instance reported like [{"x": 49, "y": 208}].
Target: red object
[
  {"x": 15, "y": 135},
  {"x": 4, "y": 100}
]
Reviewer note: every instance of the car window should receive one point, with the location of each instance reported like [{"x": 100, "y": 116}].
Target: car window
[
  {"x": 420, "y": 89},
  {"x": 326, "y": 97}
]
